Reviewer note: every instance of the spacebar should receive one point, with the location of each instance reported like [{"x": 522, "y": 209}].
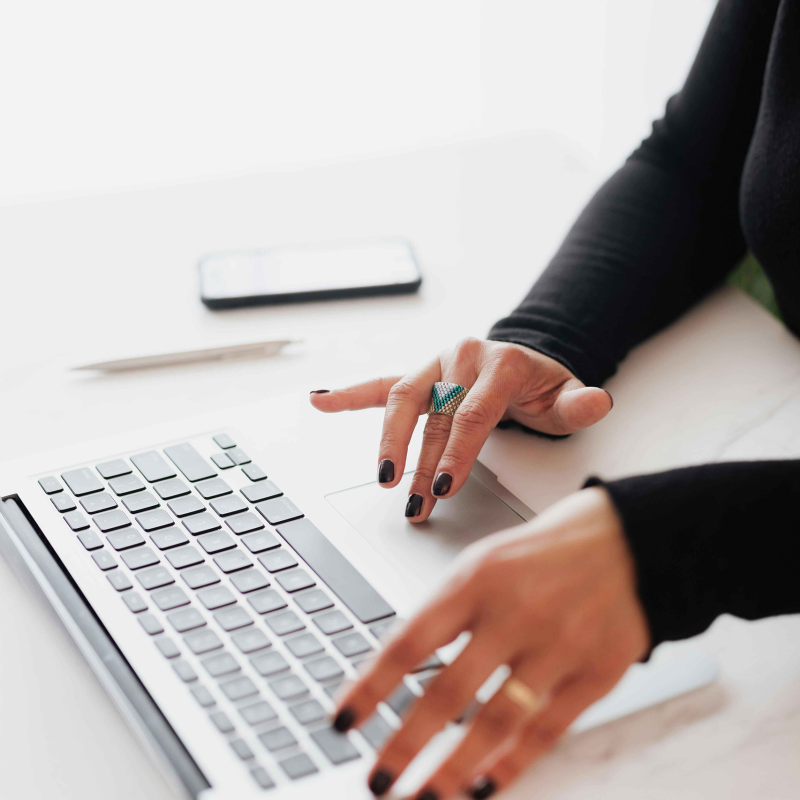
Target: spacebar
[{"x": 335, "y": 570}]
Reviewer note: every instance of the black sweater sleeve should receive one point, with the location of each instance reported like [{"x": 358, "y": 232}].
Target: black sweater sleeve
[{"x": 660, "y": 234}]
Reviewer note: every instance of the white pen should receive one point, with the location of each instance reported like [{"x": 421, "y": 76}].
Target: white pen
[{"x": 250, "y": 349}]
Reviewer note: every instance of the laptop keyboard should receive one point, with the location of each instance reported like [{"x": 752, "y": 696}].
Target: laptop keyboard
[{"x": 259, "y": 615}]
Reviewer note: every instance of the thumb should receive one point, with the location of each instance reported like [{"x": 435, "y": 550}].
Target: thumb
[{"x": 579, "y": 408}]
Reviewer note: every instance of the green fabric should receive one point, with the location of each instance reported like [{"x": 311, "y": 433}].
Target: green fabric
[{"x": 752, "y": 280}]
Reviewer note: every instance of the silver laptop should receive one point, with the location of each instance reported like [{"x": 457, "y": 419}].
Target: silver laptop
[{"x": 224, "y": 576}]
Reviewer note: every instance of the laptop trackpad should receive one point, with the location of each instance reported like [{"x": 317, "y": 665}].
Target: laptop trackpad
[{"x": 424, "y": 549}]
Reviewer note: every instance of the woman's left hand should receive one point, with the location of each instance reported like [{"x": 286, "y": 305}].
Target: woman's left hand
[{"x": 556, "y": 601}]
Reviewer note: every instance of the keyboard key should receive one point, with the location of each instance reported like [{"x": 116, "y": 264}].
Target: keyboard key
[
  {"x": 126, "y": 484},
  {"x": 265, "y": 490},
  {"x": 154, "y": 520},
  {"x": 197, "y": 578},
  {"x": 224, "y": 441},
  {"x": 250, "y": 640},
  {"x": 267, "y": 664},
  {"x": 232, "y": 618},
  {"x": 225, "y": 506},
  {"x": 174, "y": 487},
  {"x": 335, "y": 570},
  {"x": 376, "y": 730},
  {"x": 278, "y": 510},
  {"x": 254, "y": 472},
  {"x": 201, "y": 523},
  {"x": 215, "y": 542},
  {"x": 288, "y": 688},
  {"x": 323, "y": 669},
  {"x": 333, "y": 689},
  {"x": 287, "y": 622},
  {"x": 381, "y": 630},
  {"x": 244, "y": 523},
  {"x": 222, "y": 461},
  {"x": 139, "y": 558},
  {"x": 305, "y": 645},
  {"x": 258, "y": 712},
  {"x": 154, "y": 577},
  {"x": 76, "y": 521},
  {"x": 298, "y": 766},
  {"x": 262, "y": 778},
  {"x": 216, "y": 597},
  {"x": 238, "y": 688},
  {"x": 204, "y": 697},
  {"x": 184, "y": 671},
  {"x": 278, "y": 560},
  {"x": 260, "y": 541},
  {"x": 249, "y": 581},
  {"x": 239, "y": 456},
  {"x": 264, "y": 602},
  {"x": 98, "y": 502},
  {"x": 151, "y": 624},
  {"x": 111, "y": 520},
  {"x": 104, "y": 559},
  {"x": 81, "y": 481},
  {"x": 232, "y": 561},
  {"x": 186, "y": 619},
  {"x": 152, "y": 466},
  {"x": 313, "y": 601},
  {"x": 202, "y": 641},
  {"x": 119, "y": 580},
  {"x": 169, "y": 537},
  {"x": 295, "y": 580},
  {"x": 125, "y": 539},
  {"x": 241, "y": 748},
  {"x": 184, "y": 557},
  {"x": 193, "y": 466},
  {"x": 222, "y": 664},
  {"x": 167, "y": 647},
  {"x": 134, "y": 602},
  {"x": 220, "y": 719},
  {"x": 354, "y": 644},
  {"x": 401, "y": 700},
  {"x": 336, "y": 746},
  {"x": 90, "y": 540},
  {"x": 335, "y": 622},
  {"x": 50, "y": 484},
  {"x": 308, "y": 712},
  {"x": 169, "y": 598},
  {"x": 113, "y": 469},
  {"x": 183, "y": 506},
  {"x": 277, "y": 739},
  {"x": 136, "y": 503},
  {"x": 63, "y": 502},
  {"x": 213, "y": 488}
]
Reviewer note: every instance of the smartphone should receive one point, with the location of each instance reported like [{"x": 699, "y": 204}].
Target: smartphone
[{"x": 293, "y": 274}]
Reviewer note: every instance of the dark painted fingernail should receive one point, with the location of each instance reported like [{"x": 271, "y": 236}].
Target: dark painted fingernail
[
  {"x": 414, "y": 505},
  {"x": 344, "y": 720},
  {"x": 319, "y": 391},
  {"x": 442, "y": 484},
  {"x": 610, "y": 398},
  {"x": 380, "y": 783},
  {"x": 484, "y": 788},
  {"x": 386, "y": 471},
  {"x": 428, "y": 794}
]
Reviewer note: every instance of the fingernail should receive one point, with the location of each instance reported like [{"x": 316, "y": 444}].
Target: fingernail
[
  {"x": 442, "y": 484},
  {"x": 380, "y": 783},
  {"x": 484, "y": 788},
  {"x": 428, "y": 794},
  {"x": 344, "y": 720},
  {"x": 610, "y": 398},
  {"x": 414, "y": 505},
  {"x": 386, "y": 471},
  {"x": 319, "y": 391}
]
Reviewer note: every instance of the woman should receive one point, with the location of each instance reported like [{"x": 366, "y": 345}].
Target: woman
[{"x": 572, "y": 599}]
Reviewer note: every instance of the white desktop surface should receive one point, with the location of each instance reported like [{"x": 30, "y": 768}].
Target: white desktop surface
[{"x": 111, "y": 274}]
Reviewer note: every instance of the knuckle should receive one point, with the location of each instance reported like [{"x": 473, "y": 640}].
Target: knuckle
[
  {"x": 402, "y": 392},
  {"x": 437, "y": 428},
  {"x": 468, "y": 347},
  {"x": 474, "y": 414},
  {"x": 495, "y": 723}
]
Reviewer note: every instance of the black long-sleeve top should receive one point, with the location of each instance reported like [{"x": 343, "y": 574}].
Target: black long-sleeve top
[{"x": 719, "y": 173}]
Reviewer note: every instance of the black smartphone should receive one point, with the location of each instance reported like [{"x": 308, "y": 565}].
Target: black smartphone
[{"x": 293, "y": 274}]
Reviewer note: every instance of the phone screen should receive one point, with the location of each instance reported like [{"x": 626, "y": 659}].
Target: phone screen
[{"x": 302, "y": 271}]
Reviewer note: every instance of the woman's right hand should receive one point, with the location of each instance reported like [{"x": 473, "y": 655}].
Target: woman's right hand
[{"x": 505, "y": 381}]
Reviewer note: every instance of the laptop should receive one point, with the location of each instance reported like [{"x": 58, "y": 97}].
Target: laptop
[{"x": 224, "y": 575}]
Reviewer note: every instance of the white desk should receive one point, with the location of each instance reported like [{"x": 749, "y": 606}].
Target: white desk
[{"x": 117, "y": 270}]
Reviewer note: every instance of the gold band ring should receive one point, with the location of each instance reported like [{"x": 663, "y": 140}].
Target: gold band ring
[{"x": 522, "y": 694}]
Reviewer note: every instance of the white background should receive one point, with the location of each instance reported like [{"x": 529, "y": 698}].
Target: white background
[{"x": 99, "y": 95}]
